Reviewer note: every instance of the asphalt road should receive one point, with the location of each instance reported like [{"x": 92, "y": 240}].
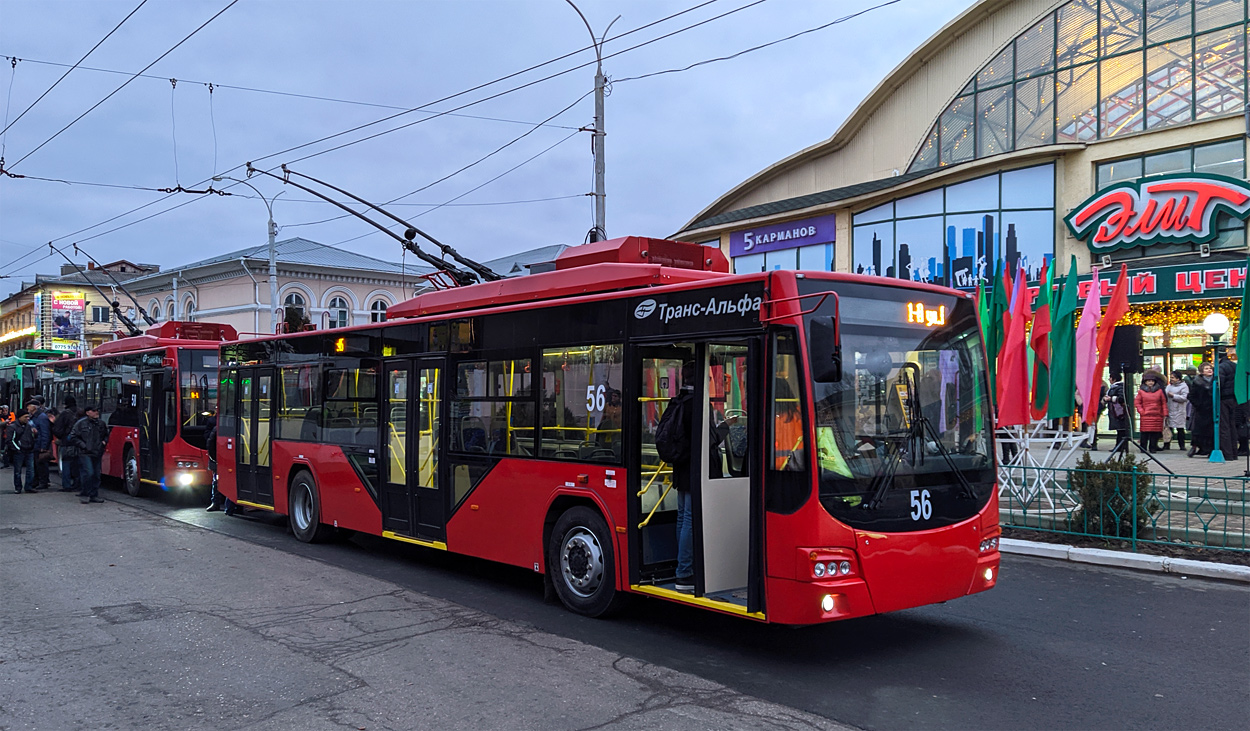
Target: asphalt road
[{"x": 1054, "y": 645}]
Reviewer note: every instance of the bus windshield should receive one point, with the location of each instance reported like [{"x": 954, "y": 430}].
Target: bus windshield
[
  {"x": 904, "y": 437},
  {"x": 197, "y": 377}
]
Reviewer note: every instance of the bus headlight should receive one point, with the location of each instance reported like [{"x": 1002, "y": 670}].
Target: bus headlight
[
  {"x": 185, "y": 478},
  {"x": 989, "y": 575},
  {"x": 826, "y": 603},
  {"x": 818, "y": 570}
]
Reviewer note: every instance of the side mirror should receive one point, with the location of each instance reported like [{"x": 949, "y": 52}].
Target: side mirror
[
  {"x": 167, "y": 377},
  {"x": 823, "y": 349}
]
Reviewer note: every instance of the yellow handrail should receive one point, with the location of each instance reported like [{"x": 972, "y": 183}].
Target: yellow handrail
[
  {"x": 654, "y": 475},
  {"x": 655, "y": 507}
]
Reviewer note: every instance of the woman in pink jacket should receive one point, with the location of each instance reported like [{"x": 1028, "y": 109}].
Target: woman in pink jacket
[{"x": 1152, "y": 409}]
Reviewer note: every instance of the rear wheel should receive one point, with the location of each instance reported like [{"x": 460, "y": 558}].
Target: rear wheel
[
  {"x": 130, "y": 473},
  {"x": 581, "y": 563},
  {"x": 305, "y": 510}
]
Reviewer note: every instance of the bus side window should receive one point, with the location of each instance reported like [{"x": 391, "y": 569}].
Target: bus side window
[{"x": 788, "y": 486}]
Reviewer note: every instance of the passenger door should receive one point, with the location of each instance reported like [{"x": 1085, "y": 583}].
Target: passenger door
[
  {"x": 726, "y": 500},
  {"x": 414, "y": 498},
  {"x": 151, "y": 426},
  {"x": 255, "y": 402}
]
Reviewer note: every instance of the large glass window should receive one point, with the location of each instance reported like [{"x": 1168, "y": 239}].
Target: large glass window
[
  {"x": 582, "y": 402},
  {"x": 350, "y": 413},
  {"x": 958, "y": 235},
  {"x": 339, "y": 313},
  {"x": 197, "y": 375},
  {"x": 299, "y": 403},
  {"x": 1095, "y": 69},
  {"x": 493, "y": 412}
]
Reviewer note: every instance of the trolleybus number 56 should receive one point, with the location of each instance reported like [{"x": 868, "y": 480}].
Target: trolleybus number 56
[{"x": 921, "y": 507}]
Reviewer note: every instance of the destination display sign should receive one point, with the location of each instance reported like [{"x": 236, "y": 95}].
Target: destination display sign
[
  {"x": 788, "y": 235},
  {"x": 1160, "y": 209}
]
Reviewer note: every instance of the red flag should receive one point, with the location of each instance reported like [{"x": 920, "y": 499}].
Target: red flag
[
  {"x": 1011, "y": 306},
  {"x": 1039, "y": 340},
  {"x": 1116, "y": 309},
  {"x": 1013, "y": 363}
]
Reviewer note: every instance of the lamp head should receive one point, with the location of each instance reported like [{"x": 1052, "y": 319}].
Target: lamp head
[{"x": 1216, "y": 324}]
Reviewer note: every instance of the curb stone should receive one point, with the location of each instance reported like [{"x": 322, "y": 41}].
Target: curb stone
[{"x": 1141, "y": 562}]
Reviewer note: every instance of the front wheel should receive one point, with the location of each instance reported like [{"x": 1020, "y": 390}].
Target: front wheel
[
  {"x": 130, "y": 473},
  {"x": 305, "y": 507},
  {"x": 580, "y": 561}
]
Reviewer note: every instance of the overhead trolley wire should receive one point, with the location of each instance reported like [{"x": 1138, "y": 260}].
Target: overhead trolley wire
[
  {"x": 125, "y": 83},
  {"x": 489, "y": 83},
  {"x": 843, "y": 19},
  {"x": 71, "y": 68}
]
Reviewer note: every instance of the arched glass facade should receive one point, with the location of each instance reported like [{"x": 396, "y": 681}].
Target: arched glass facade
[{"x": 1096, "y": 69}]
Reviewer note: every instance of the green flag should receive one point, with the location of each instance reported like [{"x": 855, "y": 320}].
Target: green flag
[
  {"x": 1243, "y": 345},
  {"x": 1063, "y": 349},
  {"x": 983, "y": 316},
  {"x": 994, "y": 337}
]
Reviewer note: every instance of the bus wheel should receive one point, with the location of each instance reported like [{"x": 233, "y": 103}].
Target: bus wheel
[
  {"x": 305, "y": 509},
  {"x": 130, "y": 473},
  {"x": 581, "y": 563}
]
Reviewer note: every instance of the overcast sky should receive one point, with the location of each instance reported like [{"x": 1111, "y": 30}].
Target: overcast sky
[{"x": 675, "y": 141}]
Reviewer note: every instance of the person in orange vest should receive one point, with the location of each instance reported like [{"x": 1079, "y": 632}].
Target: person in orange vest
[{"x": 787, "y": 429}]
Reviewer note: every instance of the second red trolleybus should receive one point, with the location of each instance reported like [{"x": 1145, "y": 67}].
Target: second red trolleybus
[
  {"x": 842, "y": 457},
  {"x": 156, "y": 391}
]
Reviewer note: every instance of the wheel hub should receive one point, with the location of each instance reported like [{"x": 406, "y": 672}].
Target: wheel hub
[{"x": 581, "y": 561}]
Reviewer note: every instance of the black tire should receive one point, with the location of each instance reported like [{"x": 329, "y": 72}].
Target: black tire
[
  {"x": 130, "y": 473},
  {"x": 304, "y": 504},
  {"x": 581, "y": 563}
]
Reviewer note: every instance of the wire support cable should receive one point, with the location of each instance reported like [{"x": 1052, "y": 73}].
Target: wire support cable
[{"x": 125, "y": 83}]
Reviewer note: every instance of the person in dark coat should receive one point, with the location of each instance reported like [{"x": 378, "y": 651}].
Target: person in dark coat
[
  {"x": 1228, "y": 406},
  {"x": 215, "y": 499},
  {"x": 66, "y": 454},
  {"x": 1200, "y": 399},
  {"x": 21, "y": 439},
  {"x": 42, "y": 424},
  {"x": 90, "y": 436},
  {"x": 1152, "y": 409},
  {"x": 1117, "y": 409}
]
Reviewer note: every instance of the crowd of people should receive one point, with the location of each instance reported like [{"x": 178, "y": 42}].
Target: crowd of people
[
  {"x": 1181, "y": 408},
  {"x": 80, "y": 436}
]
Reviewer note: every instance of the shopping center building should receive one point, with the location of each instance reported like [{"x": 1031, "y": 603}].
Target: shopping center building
[{"x": 1025, "y": 131}]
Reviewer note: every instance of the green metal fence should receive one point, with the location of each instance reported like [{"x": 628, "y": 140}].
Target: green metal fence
[{"x": 1132, "y": 505}]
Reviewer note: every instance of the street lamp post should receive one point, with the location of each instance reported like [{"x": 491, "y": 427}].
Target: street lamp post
[
  {"x": 1216, "y": 324},
  {"x": 601, "y": 196},
  {"x": 273, "y": 253}
]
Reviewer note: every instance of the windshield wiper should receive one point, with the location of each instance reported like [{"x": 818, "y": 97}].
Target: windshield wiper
[{"x": 883, "y": 480}]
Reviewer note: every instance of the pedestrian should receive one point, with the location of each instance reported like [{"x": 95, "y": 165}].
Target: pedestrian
[
  {"x": 215, "y": 499},
  {"x": 61, "y": 426},
  {"x": 682, "y": 478},
  {"x": 1201, "y": 399},
  {"x": 1228, "y": 406},
  {"x": 90, "y": 437},
  {"x": 1152, "y": 408},
  {"x": 22, "y": 445},
  {"x": 1117, "y": 409},
  {"x": 1091, "y": 442},
  {"x": 6, "y": 421},
  {"x": 1178, "y": 409},
  {"x": 42, "y": 424}
]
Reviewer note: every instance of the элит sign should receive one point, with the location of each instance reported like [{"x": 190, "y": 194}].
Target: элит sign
[{"x": 1165, "y": 208}]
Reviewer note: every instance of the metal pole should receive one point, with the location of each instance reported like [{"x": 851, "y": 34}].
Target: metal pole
[
  {"x": 1216, "y": 454},
  {"x": 273, "y": 272},
  {"x": 601, "y": 196},
  {"x": 273, "y": 252}
]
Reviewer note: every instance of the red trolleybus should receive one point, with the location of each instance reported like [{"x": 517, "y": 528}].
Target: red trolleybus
[
  {"x": 842, "y": 447},
  {"x": 156, "y": 391}
]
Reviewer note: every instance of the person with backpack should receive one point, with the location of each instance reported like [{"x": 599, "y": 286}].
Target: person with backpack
[
  {"x": 42, "y": 424},
  {"x": 68, "y": 456},
  {"x": 215, "y": 500},
  {"x": 672, "y": 443},
  {"x": 89, "y": 437},
  {"x": 22, "y": 439}
]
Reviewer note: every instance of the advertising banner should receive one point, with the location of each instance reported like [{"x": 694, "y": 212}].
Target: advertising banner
[
  {"x": 67, "y": 320},
  {"x": 1171, "y": 283}
]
